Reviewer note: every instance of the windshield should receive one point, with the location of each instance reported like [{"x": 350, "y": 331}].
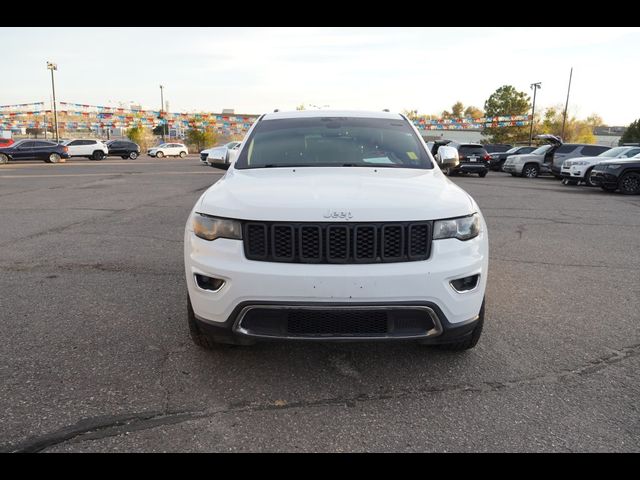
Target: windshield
[
  {"x": 333, "y": 142},
  {"x": 163, "y": 145},
  {"x": 614, "y": 152},
  {"x": 541, "y": 150}
]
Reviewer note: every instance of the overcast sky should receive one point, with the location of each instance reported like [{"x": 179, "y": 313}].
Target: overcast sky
[{"x": 258, "y": 69}]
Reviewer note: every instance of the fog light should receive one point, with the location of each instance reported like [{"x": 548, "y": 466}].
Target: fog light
[
  {"x": 465, "y": 284},
  {"x": 211, "y": 284}
]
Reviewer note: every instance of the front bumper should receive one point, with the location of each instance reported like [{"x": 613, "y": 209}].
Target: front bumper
[
  {"x": 408, "y": 284},
  {"x": 513, "y": 167},
  {"x": 601, "y": 178}
]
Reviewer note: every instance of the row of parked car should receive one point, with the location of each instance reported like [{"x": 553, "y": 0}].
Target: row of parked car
[
  {"x": 54, "y": 152},
  {"x": 611, "y": 169}
]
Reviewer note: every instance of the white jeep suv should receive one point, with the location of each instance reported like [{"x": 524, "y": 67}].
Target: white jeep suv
[
  {"x": 169, "y": 150},
  {"x": 336, "y": 226},
  {"x": 578, "y": 170},
  {"x": 89, "y": 148}
]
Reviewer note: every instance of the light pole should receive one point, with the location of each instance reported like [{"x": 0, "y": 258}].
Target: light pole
[
  {"x": 535, "y": 87},
  {"x": 52, "y": 67},
  {"x": 566, "y": 105},
  {"x": 161, "y": 107}
]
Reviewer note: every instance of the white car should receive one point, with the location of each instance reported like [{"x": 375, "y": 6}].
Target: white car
[
  {"x": 336, "y": 225},
  {"x": 220, "y": 152},
  {"x": 89, "y": 148},
  {"x": 578, "y": 170},
  {"x": 169, "y": 150}
]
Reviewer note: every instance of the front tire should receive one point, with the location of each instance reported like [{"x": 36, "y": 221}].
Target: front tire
[
  {"x": 159, "y": 154},
  {"x": 183, "y": 154},
  {"x": 3, "y": 159},
  {"x": 205, "y": 341},
  {"x": 98, "y": 155},
  {"x": 587, "y": 178},
  {"x": 133, "y": 155},
  {"x": 482, "y": 174},
  {"x": 530, "y": 170},
  {"x": 629, "y": 184}
]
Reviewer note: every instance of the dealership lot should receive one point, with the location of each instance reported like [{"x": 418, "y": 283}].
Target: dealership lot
[{"x": 96, "y": 354}]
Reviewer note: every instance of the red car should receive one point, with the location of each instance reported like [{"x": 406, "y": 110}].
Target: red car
[{"x": 5, "y": 142}]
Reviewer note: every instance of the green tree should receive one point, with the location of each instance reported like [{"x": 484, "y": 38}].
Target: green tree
[
  {"x": 506, "y": 100},
  {"x": 457, "y": 110},
  {"x": 473, "y": 112},
  {"x": 631, "y": 134},
  {"x": 142, "y": 136},
  {"x": 201, "y": 139},
  {"x": 577, "y": 131}
]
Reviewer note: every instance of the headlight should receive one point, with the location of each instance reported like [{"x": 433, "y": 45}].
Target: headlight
[
  {"x": 210, "y": 228},
  {"x": 579, "y": 162},
  {"x": 613, "y": 167},
  {"x": 463, "y": 228}
]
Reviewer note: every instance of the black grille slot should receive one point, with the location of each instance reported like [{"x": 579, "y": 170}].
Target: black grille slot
[
  {"x": 282, "y": 239},
  {"x": 392, "y": 242},
  {"x": 256, "y": 244},
  {"x": 343, "y": 322},
  {"x": 337, "y": 242},
  {"x": 310, "y": 247},
  {"x": 365, "y": 243},
  {"x": 419, "y": 241}
]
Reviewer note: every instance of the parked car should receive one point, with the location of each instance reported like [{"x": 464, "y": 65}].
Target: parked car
[
  {"x": 578, "y": 170},
  {"x": 336, "y": 226},
  {"x": 473, "y": 159},
  {"x": 497, "y": 147},
  {"x": 169, "y": 150},
  {"x": 532, "y": 164},
  {"x": 88, "y": 148},
  {"x": 50, "y": 152},
  {"x": 5, "y": 142},
  {"x": 618, "y": 174},
  {"x": 574, "y": 150},
  {"x": 496, "y": 160},
  {"x": 220, "y": 149},
  {"x": 123, "y": 148},
  {"x": 222, "y": 156}
]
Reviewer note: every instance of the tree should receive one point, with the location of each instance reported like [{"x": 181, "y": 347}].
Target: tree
[
  {"x": 300, "y": 107},
  {"x": 473, "y": 112},
  {"x": 505, "y": 101},
  {"x": 631, "y": 134},
  {"x": 577, "y": 131},
  {"x": 142, "y": 136},
  {"x": 201, "y": 139},
  {"x": 457, "y": 109}
]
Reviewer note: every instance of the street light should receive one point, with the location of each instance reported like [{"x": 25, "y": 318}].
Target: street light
[
  {"x": 161, "y": 107},
  {"x": 52, "y": 67},
  {"x": 535, "y": 87}
]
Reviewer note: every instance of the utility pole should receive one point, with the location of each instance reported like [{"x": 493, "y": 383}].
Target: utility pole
[
  {"x": 566, "y": 106},
  {"x": 52, "y": 67},
  {"x": 161, "y": 108},
  {"x": 535, "y": 87}
]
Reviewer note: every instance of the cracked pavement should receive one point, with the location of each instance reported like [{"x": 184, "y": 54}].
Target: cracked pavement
[{"x": 96, "y": 355}]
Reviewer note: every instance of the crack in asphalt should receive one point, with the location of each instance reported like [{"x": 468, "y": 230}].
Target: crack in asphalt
[
  {"x": 83, "y": 267},
  {"x": 558, "y": 264},
  {"x": 96, "y": 428}
]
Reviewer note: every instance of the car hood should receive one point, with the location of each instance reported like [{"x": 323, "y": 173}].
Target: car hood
[
  {"x": 622, "y": 161},
  {"x": 321, "y": 194},
  {"x": 570, "y": 161}
]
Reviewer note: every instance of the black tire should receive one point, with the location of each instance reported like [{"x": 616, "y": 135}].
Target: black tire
[
  {"x": 629, "y": 183},
  {"x": 530, "y": 170},
  {"x": 3, "y": 159},
  {"x": 98, "y": 155},
  {"x": 587, "y": 178},
  {"x": 570, "y": 182},
  {"x": 124, "y": 157},
  {"x": 514, "y": 174},
  {"x": 470, "y": 341},
  {"x": 608, "y": 189},
  {"x": 482, "y": 174},
  {"x": 205, "y": 341},
  {"x": 54, "y": 158},
  {"x": 133, "y": 155},
  {"x": 183, "y": 154},
  {"x": 159, "y": 154}
]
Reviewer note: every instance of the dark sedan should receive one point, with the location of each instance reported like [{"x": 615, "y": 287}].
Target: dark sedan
[
  {"x": 50, "y": 152},
  {"x": 618, "y": 174},
  {"x": 497, "y": 159},
  {"x": 123, "y": 148}
]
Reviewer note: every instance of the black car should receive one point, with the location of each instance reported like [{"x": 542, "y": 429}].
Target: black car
[
  {"x": 619, "y": 174},
  {"x": 123, "y": 148},
  {"x": 497, "y": 159},
  {"x": 497, "y": 147},
  {"x": 473, "y": 159},
  {"x": 50, "y": 152}
]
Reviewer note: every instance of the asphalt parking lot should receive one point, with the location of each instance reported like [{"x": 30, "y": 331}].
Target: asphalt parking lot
[{"x": 96, "y": 354}]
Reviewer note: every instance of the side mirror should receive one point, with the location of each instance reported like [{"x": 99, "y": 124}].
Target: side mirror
[
  {"x": 447, "y": 157},
  {"x": 232, "y": 156}
]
